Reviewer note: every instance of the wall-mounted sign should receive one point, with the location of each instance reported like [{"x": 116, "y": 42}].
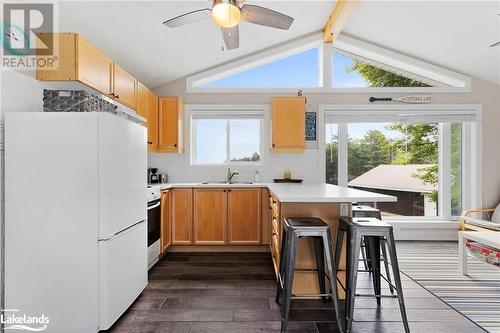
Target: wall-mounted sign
[{"x": 413, "y": 99}]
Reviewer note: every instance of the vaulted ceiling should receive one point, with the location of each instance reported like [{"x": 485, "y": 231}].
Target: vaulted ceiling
[
  {"x": 132, "y": 33},
  {"x": 452, "y": 34}
]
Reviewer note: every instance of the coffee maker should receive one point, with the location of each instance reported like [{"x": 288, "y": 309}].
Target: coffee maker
[{"x": 153, "y": 176}]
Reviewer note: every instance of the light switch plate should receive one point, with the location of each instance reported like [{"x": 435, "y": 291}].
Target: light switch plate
[{"x": 344, "y": 209}]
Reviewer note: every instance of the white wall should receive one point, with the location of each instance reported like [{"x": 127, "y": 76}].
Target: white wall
[{"x": 483, "y": 93}]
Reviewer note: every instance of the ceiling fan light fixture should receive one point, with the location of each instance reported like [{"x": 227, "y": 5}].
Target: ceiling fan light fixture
[{"x": 226, "y": 13}]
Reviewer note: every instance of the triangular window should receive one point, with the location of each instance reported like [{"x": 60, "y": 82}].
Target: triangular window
[
  {"x": 297, "y": 70},
  {"x": 349, "y": 71}
]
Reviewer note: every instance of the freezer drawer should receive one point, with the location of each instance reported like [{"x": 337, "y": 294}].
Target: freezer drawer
[{"x": 123, "y": 271}]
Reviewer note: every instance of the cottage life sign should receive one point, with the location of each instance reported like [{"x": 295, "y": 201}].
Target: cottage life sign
[{"x": 412, "y": 99}]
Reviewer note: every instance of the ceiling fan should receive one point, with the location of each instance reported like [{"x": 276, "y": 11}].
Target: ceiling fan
[{"x": 228, "y": 13}]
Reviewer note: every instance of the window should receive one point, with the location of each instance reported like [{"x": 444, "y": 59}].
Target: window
[
  {"x": 299, "y": 70},
  {"x": 398, "y": 159},
  {"x": 308, "y": 63},
  {"x": 332, "y": 153},
  {"x": 421, "y": 157},
  {"x": 226, "y": 137},
  {"x": 354, "y": 72}
]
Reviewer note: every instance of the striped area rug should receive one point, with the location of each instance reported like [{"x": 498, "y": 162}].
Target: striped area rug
[{"x": 434, "y": 265}]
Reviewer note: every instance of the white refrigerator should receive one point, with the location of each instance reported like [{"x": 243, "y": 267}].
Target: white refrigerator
[{"x": 75, "y": 217}]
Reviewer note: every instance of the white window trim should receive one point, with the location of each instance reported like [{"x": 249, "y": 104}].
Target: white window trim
[
  {"x": 190, "y": 109},
  {"x": 457, "y": 83},
  {"x": 472, "y": 173}
]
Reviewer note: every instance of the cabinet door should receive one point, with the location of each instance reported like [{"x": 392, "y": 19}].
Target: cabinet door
[
  {"x": 142, "y": 100},
  {"x": 171, "y": 125},
  {"x": 288, "y": 124},
  {"x": 181, "y": 205},
  {"x": 244, "y": 216},
  {"x": 210, "y": 208},
  {"x": 165, "y": 221},
  {"x": 124, "y": 87},
  {"x": 152, "y": 117},
  {"x": 95, "y": 69}
]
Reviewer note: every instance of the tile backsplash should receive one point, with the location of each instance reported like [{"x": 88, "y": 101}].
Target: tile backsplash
[{"x": 178, "y": 168}]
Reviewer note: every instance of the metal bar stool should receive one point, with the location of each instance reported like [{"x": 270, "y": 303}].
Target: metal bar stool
[
  {"x": 357, "y": 229},
  {"x": 319, "y": 231},
  {"x": 370, "y": 256}
]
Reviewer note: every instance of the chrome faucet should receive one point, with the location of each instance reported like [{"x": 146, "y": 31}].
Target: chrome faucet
[{"x": 230, "y": 175}]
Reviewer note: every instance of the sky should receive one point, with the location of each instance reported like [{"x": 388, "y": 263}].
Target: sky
[
  {"x": 299, "y": 70},
  {"x": 211, "y": 137}
]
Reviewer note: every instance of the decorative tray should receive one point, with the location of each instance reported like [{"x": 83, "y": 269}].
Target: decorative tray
[{"x": 280, "y": 180}]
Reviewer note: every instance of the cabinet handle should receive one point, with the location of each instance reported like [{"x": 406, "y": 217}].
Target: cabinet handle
[
  {"x": 274, "y": 145},
  {"x": 175, "y": 144},
  {"x": 117, "y": 96},
  {"x": 224, "y": 191},
  {"x": 229, "y": 190},
  {"x": 150, "y": 142}
]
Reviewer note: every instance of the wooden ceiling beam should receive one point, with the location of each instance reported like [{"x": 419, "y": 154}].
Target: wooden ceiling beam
[{"x": 338, "y": 18}]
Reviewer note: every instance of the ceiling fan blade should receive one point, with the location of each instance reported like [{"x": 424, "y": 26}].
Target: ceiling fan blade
[
  {"x": 188, "y": 18},
  {"x": 495, "y": 44},
  {"x": 231, "y": 37},
  {"x": 266, "y": 17}
]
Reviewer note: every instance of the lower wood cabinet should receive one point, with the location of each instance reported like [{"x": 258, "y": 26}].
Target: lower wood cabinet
[
  {"x": 214, "y": 216},
  {"x": 181, "y": 204},
  {"x": 244, "y": 216},
  {"x": 166, "y": 240},
  {"x": 210, "y": 216}
]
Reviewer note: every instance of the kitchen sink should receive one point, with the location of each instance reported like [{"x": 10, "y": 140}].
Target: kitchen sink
[{"x": 225, "y": 182}]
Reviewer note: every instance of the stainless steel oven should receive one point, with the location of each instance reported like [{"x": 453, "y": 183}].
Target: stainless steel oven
[{"x": 154, "y": 225}]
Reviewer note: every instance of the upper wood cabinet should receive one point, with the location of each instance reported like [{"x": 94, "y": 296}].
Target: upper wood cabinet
[
  {"x": 210, "y": 216},
  {"x": 171, "y": 125},
  {"x": 165, "y": 221},
  {"x": 142, "y": 100},
  {"x": 244, "y": 216},
  {"x": 95, "y": 69},
  {"x": 78, "y": 60},
  {"x": 124, "y": 87},
  {"x": 152, "y": 118},
  {"x": 181, "y": 204},
  {"x": 288, "y": 124}
]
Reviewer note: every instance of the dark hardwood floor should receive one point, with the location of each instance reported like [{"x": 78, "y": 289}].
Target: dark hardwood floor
[{"x": 234, "y": 293}]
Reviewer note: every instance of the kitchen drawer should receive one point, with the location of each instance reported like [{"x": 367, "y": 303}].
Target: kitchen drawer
[
  {"x": 275, "y": 229},
  {"x": 275, "y": 243},
  {"x": 275, "y": 204}
]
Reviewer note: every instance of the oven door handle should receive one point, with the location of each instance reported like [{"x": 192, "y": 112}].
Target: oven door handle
[{"x": 154, "y": 206}]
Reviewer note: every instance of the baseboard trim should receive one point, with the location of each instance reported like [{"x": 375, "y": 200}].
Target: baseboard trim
[{"x": 219, "y": 248}]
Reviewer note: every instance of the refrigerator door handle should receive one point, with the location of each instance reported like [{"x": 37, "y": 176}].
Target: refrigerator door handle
[{"x": 119, "y": 232}]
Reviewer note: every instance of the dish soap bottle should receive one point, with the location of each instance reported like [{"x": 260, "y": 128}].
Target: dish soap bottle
[{"x": 256, "y": 178}]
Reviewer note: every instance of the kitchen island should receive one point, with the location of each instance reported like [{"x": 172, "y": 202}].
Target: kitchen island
[{"x": 202, "y": 216}]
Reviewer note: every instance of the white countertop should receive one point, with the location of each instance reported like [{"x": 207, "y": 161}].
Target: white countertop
[
  {"x": 307, "y": 192},
  {"x": 320, "y": 192}
]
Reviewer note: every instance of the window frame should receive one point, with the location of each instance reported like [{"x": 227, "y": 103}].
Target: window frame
[
  {"x": 454, "y": 82},
  {"x": 472, "y": 182},
  {"x": 227, "y": 112}
]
